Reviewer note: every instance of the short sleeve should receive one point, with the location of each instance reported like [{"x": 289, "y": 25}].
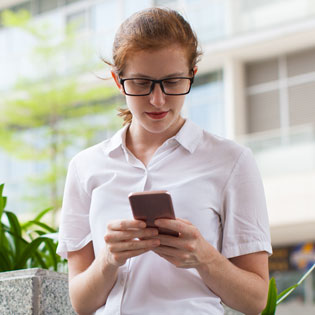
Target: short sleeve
[
  {"x": 74, "y": 229},
  {"x": 245, "y": 218}
]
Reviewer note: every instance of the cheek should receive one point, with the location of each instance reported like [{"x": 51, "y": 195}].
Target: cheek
[
  {"x": 178, "y": 103},
  {"x": 133, "y": 103}
]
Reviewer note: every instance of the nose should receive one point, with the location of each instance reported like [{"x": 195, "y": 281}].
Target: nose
[{"x": 157, "y": 97}]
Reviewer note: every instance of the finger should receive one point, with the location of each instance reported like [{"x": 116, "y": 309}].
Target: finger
[
  {"x": 184, "y": 221},
  {"x": 177, "y": 257},
  {"x": 167, "y": 257},
  {"x": 121, "y": 257},
  {"x": 130, "y": 253},
  {"x": 122, "y": 225},
  {"x": 175, "y": 225},
  {"x": 118, "y": 236},
  {"x": 172, "y": 241},
  {"x": 175, "y": 260},
  {"x": 168, "y": 251},
  {"x": 133, "y": 245}
]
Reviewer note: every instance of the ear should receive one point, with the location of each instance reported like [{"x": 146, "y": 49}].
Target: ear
[
  {"x": 195, "y": 69},
  {"x": 116, "y": 79}
]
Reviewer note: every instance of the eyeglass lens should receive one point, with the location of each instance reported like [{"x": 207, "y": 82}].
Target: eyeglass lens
[{"x": 170, "y": 86}]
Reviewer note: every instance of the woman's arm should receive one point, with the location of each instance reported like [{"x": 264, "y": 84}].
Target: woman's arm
[
  {"x": 241, "y": 282},
  {"x": 91, "y": 279}
]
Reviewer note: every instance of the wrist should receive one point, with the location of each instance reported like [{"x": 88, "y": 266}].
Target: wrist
[
  {"x": 209, "y": 263},
  {"x": 105, "y": 266}
]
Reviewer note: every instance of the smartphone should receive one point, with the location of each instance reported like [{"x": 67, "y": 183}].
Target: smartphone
[{"x": 150, "y": 205}]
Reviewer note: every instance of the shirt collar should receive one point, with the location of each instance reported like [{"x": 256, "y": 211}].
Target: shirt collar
[
  {"x": 188, "y": 136},
  {"x": 117, "y": 140}
]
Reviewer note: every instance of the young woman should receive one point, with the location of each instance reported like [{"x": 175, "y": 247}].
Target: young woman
[{"x": 117, "y": 265}]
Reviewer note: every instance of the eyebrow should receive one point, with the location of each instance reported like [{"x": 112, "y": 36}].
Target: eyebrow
[{"x": 141, "y": 75}]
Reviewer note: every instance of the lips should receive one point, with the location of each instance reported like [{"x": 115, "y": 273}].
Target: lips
[{"x": 156, "y": 115}]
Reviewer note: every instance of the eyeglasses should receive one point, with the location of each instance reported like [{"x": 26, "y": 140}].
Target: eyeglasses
[{"x": 169, "y": 86}]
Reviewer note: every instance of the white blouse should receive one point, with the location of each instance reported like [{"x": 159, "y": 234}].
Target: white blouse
[{"x": 214, "y": 183}]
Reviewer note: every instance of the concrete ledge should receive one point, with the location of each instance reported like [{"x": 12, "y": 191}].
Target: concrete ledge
[{"x": 34, "y": 292}]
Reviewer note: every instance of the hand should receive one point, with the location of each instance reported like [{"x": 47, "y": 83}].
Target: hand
[
  {"x": 126, "y": 239},
  {"x": 189, "y": 250}
]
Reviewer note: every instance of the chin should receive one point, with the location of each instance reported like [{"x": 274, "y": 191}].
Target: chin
[{"x": 157, "y": 129}]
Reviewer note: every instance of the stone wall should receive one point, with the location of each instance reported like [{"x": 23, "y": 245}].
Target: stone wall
[{"x": 34, "y": 292}]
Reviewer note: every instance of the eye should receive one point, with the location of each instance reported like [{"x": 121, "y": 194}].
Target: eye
[
  {"x": 171, "y": 81},
  {"x": 141, "y": 82}
]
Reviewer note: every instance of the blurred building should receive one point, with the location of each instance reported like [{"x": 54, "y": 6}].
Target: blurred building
[{"x": 256, "y": 84}]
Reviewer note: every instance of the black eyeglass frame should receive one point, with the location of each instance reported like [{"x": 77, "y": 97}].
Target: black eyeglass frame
[{"x": 122, "y": 82}]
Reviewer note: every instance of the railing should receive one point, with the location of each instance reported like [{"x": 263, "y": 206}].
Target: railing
[
  {"x": 285, "y": 151},
  {"x": 261, "y": 141}
]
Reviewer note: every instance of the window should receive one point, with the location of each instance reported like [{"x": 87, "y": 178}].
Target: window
[
  {"x": 205, "y": 103},
  {"x": 131, "y": 6},
  {"x": 199, "y": 13},
  {"x": 45, "y": 5},
  {"x": 22, "y": 6},
  {"x": 254, "y": 4},
  {"x": 79, "y": 20},
  {"x": 281, "y": 91},
  {"x": 71, "y": 1},
  {"x": 263, "y": 112},
  {"x": 164, "y": 2}
]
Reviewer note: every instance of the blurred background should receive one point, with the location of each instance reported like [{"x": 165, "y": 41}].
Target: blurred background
[{"x": 255, "y": 85}]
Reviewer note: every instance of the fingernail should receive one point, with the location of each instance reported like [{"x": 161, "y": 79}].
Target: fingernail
[{"x": 142, "y": 224}]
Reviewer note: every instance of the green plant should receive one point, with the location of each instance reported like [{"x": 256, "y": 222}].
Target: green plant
[
  {"x": 27, "y": 245},
  {"x": 274, "y": 298}
]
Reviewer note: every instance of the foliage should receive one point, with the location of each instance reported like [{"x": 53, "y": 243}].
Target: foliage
[
  {"x": 274, "y": 298},
  {"x": 51, "y": 114},
  {"x": 27, "y": 245}
]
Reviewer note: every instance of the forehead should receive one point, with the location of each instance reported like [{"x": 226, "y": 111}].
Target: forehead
[{"x": 157, "y": 63}]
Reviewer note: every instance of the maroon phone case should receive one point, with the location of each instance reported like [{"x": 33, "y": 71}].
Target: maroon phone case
[{"x": 150, "y": 205}]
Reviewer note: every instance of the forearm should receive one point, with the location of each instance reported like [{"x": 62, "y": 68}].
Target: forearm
[
  {"x": 89, "y": 290},
  {"x": 240, "y": 289}
]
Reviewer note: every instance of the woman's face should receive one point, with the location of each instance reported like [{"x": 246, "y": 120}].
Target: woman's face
[{"x": 156, "y": 112}]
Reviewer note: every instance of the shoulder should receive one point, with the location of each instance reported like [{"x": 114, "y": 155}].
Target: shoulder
[
  {"x": 93, "y": 158},
  {"x": 220, "y": 148},
  {"x": 89, "y": 154},
  {"x": 99, "y": 152}
]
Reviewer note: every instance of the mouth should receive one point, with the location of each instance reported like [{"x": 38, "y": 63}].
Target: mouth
[{"x": 157, "y": 115}]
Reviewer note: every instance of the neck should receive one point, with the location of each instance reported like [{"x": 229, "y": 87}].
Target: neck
[
  {"x": 143, "y": 143},
  {"x": 137, "y": 135}
]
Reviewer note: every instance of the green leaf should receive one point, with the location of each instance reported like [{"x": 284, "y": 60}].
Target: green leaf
[
  {"x": 15, "y": 230},
  {"x": 40, "y": 261},
  {"x": 52, "y": 256},
  {"x": 3, "y": 200},
  {"x": 29, "y": 252},
  {"x": 270, "y": 308},
  {"x": 44, "y": 226},
  {"x": 283, "y": 295},
  {"x": 42, "y": 213},
  {"x": 286, "y": 291},
  {"x": 37, "y": 219},
  {"x": 5, "y": 263}
]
